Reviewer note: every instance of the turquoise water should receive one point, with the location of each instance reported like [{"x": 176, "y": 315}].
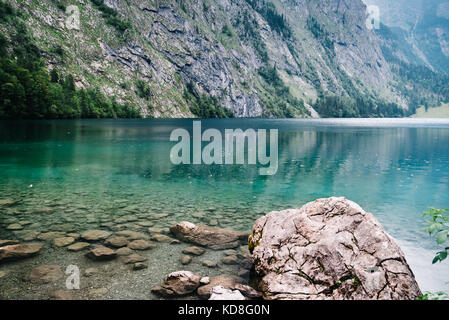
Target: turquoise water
[{"x": 83, "y": 174}]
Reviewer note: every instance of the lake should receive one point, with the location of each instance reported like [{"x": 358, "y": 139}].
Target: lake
[{"x": 69, "y": 176}]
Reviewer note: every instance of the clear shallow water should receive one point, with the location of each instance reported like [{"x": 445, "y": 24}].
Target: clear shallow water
[{"x": 86, "y": 174}]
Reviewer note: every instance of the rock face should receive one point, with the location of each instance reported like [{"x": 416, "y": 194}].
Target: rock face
[
  {"x": 19, "y": 251},
  {"x": 329, "y": 249},
  {"x": 214, "y": 238},
  {"x": 178, "y": 283}
]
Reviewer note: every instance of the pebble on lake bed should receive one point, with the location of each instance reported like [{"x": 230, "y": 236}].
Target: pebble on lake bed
[
  {"x": 209, "y": 263},
  {"x": 95, "y": 235},
  {"x": 78, "y": 246},
  {"x": 196, "y": 251},
  {"x": 14, "y": 226},
  {"x": 134, "y": 258},
  {"x": 90, "y": 272},
  {"x": 139, "y": 266},
  {"x": 98, "y": 291},
  {"x": 161, "y": 238},
  {"x": 63, "y": 242},
  {"x": 61, "y": 295},
  {"x": 230, "y": 260},
  {"x": 186, "y": 259},
  {"x": 45, "y": 274},
  {"x": 117, "y": 242},
  {"x": 101, "y": 253},
  {"x": 141, "y": 245},
  {"x": 125, "y": 251}
]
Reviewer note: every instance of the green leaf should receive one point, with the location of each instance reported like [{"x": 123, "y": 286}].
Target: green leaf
[
  {"x": 436, "y": 259},
  {"x": 442, "y": 255},
  {"x": 442, "y": 236}
]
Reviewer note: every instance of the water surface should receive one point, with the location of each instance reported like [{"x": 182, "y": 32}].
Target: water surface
[{"x": 86, "y": 174}]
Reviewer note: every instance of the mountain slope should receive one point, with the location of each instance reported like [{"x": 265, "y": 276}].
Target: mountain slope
[
  {"x": 245, "y": 58},
  {"x": 423, "y": 25}
]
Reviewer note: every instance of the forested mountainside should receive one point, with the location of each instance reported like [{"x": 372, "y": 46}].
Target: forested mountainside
[
  {"x": 206, "y": 58},
  {"x": 423, "y": 28}
]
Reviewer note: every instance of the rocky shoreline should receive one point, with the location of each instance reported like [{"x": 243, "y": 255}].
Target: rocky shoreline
[{"x": 329, "y": 249}]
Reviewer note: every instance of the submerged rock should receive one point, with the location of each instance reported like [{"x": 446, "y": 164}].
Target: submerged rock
[
  {"x": 124, "y": 251},
  {"x": 161, "y": 238},
  {"x": 95, "y": 235},
  {"x": 90, "y": 272},
  {"x": 139, "y": 266},
  {"x": 101, "y": 253},
  {"x": 209, "y": 263},
  {"x": 141, "y": 245},
  {"x": 329, "y": 249},
  {"x": 132, "y": 235},
  {"x": 14, "y": 226},
  {"x": 19, "y": 251},
  {"x": 61, "y": 295},
  {"x": 63, "y": 242},
  {"x": 196, "y": 251},
  {"x": 117, "y": 242},
  {"x": 50, "y": 235},
  {"x": 45, "y": 274},
  {"x": 230, "y": 260},
  {"x": 134, "y": 258},
  {"x": 214, "y": 238},
  {"x": 78, "y": 246},
  {"x": 7, "y": 202},
  {"x": 98, "y": 291},
  {"x": 7, "y": 242},
  {"x": 186, "y": 259},
  {"x": 179, "y": 283}
]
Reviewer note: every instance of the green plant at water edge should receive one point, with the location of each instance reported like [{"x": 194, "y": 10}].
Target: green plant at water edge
[
  {"x": 434, "y": 296},
  {"x": 438, "y": 226}
]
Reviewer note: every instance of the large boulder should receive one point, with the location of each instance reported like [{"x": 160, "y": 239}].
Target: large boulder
[
  {"x": 214, "y": 238},
  {"x": 329, "y": 249},
  {"x": 19, "y": 251}
]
